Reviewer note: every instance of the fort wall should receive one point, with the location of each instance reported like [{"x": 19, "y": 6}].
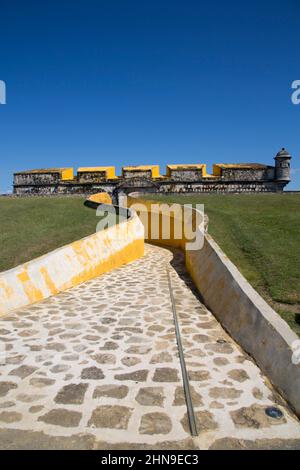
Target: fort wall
[{"x": 179, "y": 178}]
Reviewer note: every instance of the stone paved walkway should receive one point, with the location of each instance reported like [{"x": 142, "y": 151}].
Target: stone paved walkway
[{"x": 97, "y": 367}]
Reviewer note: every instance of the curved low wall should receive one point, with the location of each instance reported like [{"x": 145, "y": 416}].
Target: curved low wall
[
  {"x": 100, "y": 198},
  {"x": 240, "y": 309},
  {"x": 72, "y": 264}
]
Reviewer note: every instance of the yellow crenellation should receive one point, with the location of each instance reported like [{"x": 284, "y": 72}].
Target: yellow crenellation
[
  {"x": 154, "y": 169},
  {"x": 110, "y": 171}
]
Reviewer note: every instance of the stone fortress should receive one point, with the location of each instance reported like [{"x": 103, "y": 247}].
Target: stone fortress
[{"x": 226, "y": 178}]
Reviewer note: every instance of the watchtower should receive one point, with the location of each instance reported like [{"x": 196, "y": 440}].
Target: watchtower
[{"x": 282, "y": 165}]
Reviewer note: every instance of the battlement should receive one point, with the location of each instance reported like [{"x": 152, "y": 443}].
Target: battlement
[
  {"x": 191, "y": 172},
  {"x": 95, "y": 174},
  {"x": 141, "y": 171},
  {"x": 226, "y": 177},
  {"x": 50, "y": 175}
]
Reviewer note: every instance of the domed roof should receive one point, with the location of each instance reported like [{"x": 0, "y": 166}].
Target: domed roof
[{"x": 283, "y": 153}]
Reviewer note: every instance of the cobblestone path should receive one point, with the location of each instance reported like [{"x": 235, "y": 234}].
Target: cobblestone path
[{"x": 97, "y": 367}]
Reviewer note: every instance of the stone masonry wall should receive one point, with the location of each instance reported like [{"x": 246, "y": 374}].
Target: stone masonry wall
[
  {"x": 186, "y": 175},
  {"x": 161, "y": 187},
  {"x": 91, "y": 176},
  {"x": 247, "y": 174},
  {"x": 36, "y": 178},
  {"x": 182, "y": 180},
  {"x": 137, "y": 174}
]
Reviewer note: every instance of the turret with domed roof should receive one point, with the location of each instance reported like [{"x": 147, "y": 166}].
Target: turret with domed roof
[{"x": 282, "y": 165}]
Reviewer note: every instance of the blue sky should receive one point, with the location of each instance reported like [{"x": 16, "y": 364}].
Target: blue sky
[{"x": 121, "y": 82}]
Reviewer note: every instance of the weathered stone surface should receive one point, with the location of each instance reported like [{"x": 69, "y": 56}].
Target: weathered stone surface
[
  {"x": 4, "y": 331},
  {"x": 138, "y": 350},
  {"x": 23, "y": 371},
  {"x": 17, "y": 439},
  {"x": 93, "y": 373},
  {"x": 104, "y": 358},
  {"x": 150, "y": 396},
  {"x": 258, "y": 444},
  {"x": 10, "y": 416},
  {"x": 216, "y": 404},
  {"x": 201, "y": 338},
  {"x": 137, "y": 376},
  {"x": 56, "y": 347},
  {"x": 224, "y": 392},
  {"x": 25, "y": 398},
  {"x": 161, "y": 357},
  {"x": 155, "y": 423},
  {"x": 197, "y": 352},
  {"x": 158, "y": 328},
  {"x": 221, "y": 348},
  {"x": 92, "y": 337},
  {"x": 254, "y": 416},
  {"x": 72, "y": 394},
  {"x": 70, "y": 357},
  {"x": 110, "y": 345},
  {"x": 108, "y": 320},
  {"x": 41, "y": 382},
  {"x": 257, "y": 393},
  {"x": 59, "y": 368},
  {"x": 165, "y": 374},
  {"x": 111, "y": 391},
  {"x": 179, "y": 399},
  {"x": 7, "y": 404},
  {"x": 199, "y": 375},
  {"x": 220, "y": 361},
  {"x": 130, "y": 361},
  {"x": 240, "y": 375},
  {"x": 36, "y": 409},
  {"x": 5, "y": 387},
  {"x": 204, "y": 421},
  {"x": 114, "y": 417},
  {"x": 27, "y": 333},
  {"x": 61, "y": 417},
  {"x": 15, "y": 359}
]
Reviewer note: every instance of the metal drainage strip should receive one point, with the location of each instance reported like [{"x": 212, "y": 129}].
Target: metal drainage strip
[{"x": 185, "y": 377}]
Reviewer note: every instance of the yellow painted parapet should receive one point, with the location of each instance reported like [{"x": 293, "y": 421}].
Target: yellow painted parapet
[
  {"x": 196, "y": 166},
  {"x": 65, "y": 173},
  {"x": 164, "y": 223},
  {"x": 110, "y": 171},
  {"x": 217, "y": 167},
  {"x": 71, "y": 265},
  {"x": 139, "y": 168},
  {"x": 101, "y": 198}
]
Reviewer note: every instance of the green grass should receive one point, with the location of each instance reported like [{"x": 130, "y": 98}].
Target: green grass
[
  {"x": 33, "y": 226},
  {"x": 261, "y": 235}
]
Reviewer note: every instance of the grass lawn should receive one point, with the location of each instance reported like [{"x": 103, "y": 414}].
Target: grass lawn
[
  {"x": 33, "y": 226},
  {"x": 260, "y": 233}
]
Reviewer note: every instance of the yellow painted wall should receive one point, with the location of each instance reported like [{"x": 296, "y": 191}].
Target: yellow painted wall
[
  {"x": 67, "y": 174},
  {"x": 198, "y": 166},
  {"x": 71, "y": 265},
  {"x": 146, "y": 209},
  {"x": 101, "y": 198}
]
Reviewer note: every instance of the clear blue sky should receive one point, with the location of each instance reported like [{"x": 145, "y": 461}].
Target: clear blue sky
[{"x": 120, "y": 82}]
